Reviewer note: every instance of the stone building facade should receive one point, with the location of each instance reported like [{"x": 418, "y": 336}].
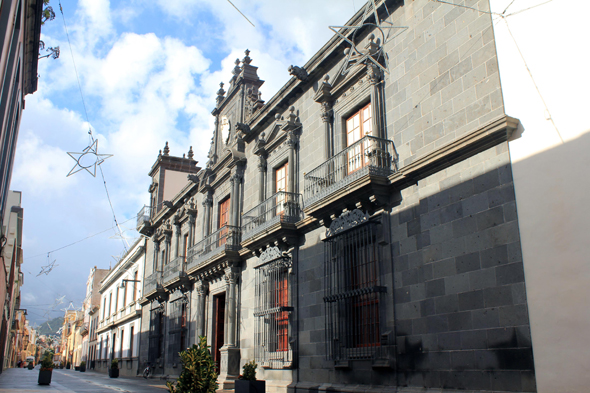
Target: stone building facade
[{"x": 358, "y": 231}]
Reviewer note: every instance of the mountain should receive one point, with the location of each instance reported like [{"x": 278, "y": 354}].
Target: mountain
[{"x": 51, "y": 327}]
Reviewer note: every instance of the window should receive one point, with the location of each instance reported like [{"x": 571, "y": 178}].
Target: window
[
  {"x": 110, "y": 302},
  {"x": 273, "y": 313},
  {"x": 183, "y": 327},
  {"x": 113, "y": 345},
  {"x": 357, "y": 127},
  {"x": 135, "y": 286},
  {"x": 353, "y": 294},
  {"x": 131, "y": 342},
  {"x": 223, "y": 221},
  {"x": 281, "y": 181},
  {"x": 104, "y": 307},
  {"x": 122, "y": 341},
  {"x": 185, "y": 247},
  {"x": 156, "y": 334},
  {"x": 116, "y": 300}
]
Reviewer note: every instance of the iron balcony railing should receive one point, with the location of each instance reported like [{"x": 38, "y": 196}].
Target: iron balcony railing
[
  {"x": 281, "y": 207},
  {"x": 152, "y": 282},
  {"x": 226, "y": 238},
  {"x": 172, "y": 269},
  {"x": 369, "y": 155},
  {"x": 143, "y": 217}
]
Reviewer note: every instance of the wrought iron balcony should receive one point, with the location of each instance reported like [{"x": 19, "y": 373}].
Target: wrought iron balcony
[
  {"x": 152, "y": 283},
  {"x": 226, "y": 238},
  {"x": 143, "y": 219},
  {"x": 173, "y": 269},
  {"x": 282, "y": 207},
  {"x": 366, "y": 158}
]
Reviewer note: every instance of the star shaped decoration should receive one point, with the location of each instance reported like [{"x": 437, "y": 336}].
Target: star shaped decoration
[
  {"x": 88, "y": 160},
  {"x": 47, "y": 269},
  {"x": 374, "y": 50}
]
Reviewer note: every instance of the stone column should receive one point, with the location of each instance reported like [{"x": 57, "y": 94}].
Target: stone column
[
  {"x": 262, "y": 178},
  {"x": 201, "y": 289},
  {"x": 235, "y": 180},
  {"x": 192, "y": 218},
  {"x": 291, "y": 142},
  {"x": 326, "y": 115},
  {"x": 156, "y": 254},
  {"x": 230, "y": 353},
  {"x": 374, "y": 74},
  {"x": 167, "y": 246},
  {"x": 177, "y": 238},
  {"x": 207, "y": 204}
]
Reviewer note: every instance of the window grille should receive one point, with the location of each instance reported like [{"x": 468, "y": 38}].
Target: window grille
[
  {"x": 273, "y": 314},
  {"x": 156, "y": 336},
  {"x": 177, "y": 328},
  {"x": 353, "y": 294}
]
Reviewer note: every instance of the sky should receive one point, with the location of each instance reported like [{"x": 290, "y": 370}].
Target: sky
[{"x": 149, "y": 73}]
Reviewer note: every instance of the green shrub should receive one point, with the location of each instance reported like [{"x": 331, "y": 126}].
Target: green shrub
[
  {"x": 115, "y": 363},
  {"x": 47, "y": 361},
  {"x": 82, "y": 364},
  {"x": 249, "y": 373},
  {"x": 198, "y": 371}
]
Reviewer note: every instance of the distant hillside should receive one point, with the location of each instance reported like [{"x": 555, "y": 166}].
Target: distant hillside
[{"x": 51, "y": 327}]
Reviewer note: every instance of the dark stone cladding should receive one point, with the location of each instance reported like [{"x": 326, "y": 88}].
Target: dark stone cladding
[{"x": 461, "y": 313}]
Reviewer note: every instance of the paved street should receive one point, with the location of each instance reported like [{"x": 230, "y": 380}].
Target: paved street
[{"x": 23, "y": 380}]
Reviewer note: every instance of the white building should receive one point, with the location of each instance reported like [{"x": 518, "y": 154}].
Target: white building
[{"x": 119, "y": 314}]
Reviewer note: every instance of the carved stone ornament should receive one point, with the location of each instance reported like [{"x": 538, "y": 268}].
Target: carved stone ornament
[
  {"x": 201, "y": 288},
  {"x": 270, "y": 253},
  {"x": 326, "y": 113},
  {"x": 298, "y": 72},
  {"x": 168, "y": 204},
  {"x": 374, "y": 73},
  {"x": 153, "y": 187},
  {"x": 193, "y": 178},
  {"x": 346, "y": 221},
  {"x": 231, "y": 275},
  {"x": 253, "y": 102}
]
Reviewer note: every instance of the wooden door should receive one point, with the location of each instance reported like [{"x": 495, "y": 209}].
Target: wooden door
[
  {"x": 281, "y": 181},
  {"x": 219, "y": 320},
  {"x": 357, "y": 127}
]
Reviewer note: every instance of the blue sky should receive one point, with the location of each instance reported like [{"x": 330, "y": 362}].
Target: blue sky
[{"x": 149, "y": 72}]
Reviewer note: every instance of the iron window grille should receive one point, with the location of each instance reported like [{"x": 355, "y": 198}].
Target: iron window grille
[
  {"x": 354, "y": 297},
  {"x": 156, "y": 334},
  {"x": 177, "y": 328},
  {"x": 273, "y": 330}
]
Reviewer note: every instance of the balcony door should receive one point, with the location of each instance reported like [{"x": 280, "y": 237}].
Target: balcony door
[
  {"x": 357, "y": 127},
  {"x": 223, "y": 221},
  {"x": 219, "y": 327},
  {"x": 281, "y": 181}
]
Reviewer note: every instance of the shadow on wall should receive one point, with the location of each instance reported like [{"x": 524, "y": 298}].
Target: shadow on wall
[
  {"x": 461, "y": 312},
  {"x": 552, "y": 191}
]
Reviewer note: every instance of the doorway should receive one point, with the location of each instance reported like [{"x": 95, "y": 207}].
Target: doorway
[{"x": 218, "y": 328}]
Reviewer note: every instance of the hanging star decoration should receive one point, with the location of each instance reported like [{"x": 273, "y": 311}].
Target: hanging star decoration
[
  {"x": 374, "y": 49},
  {"x": 48, "y": 268},
  {"x": 88, "y": 160}
]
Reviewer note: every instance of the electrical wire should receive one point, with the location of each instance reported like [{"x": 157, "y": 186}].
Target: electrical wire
[
  {"x": 125, "y": 244},
  {"x": 241, "y": 13}
]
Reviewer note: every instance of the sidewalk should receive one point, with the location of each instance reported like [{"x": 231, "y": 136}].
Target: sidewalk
[{"x": 22, "y": 380}]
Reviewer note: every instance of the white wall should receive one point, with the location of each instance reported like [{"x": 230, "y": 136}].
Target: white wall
[{"x": 551, "y": 178}]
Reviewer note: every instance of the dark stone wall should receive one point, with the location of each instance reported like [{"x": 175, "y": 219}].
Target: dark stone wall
[{"x": 460, "y": 301}]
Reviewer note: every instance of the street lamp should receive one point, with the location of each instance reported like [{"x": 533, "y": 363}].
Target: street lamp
[{"x": 125, "y": 281}]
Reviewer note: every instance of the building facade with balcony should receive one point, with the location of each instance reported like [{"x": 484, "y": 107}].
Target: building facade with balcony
[
  {"x": 358, "y": 231},
  {"x": 119, "y": 315}
]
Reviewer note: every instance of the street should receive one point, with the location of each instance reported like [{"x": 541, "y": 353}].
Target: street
[{"x": 23, "y": 380}]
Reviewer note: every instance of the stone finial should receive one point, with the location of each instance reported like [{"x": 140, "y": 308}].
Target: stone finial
[
  {"x": 247, "y": 60},
  {"x": 166, "y": 149},
  {"x": 191, "y": 154},
  {"x": 277, "y": 116},
  {"x": 372, "y": 47},
  {"x": 236, "y": 71},
  {"x": 160, "y": 153},
  {"x": 220, "y": 92}
]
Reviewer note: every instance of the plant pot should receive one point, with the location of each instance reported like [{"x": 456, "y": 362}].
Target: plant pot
[
  {"x": 244, "y": 386},
  {"x": 76, "y": 368},
  {"x": 114, "y": 372},
  {"x": 44, "y": 377},
  {"x": 83, "y": 369},
  {"x": 30, "y": 366}
]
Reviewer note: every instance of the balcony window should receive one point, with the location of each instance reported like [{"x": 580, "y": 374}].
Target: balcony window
[{"x": 358, "y": 126}]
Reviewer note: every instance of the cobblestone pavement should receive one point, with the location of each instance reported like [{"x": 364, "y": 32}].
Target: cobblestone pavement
[{"x": 22, "y": 380}]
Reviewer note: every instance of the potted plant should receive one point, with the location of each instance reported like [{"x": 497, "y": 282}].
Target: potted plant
[
  {"x": 46, "y": 369},
  {"x": 199, "y": 373},
  {"x": 83, "y": 366},
  {"x": 69, "y": 365},
  {"x": 114, "y": 370},
  {"x": 30, "y": 366},
  {"x": 247, "y": 382}
]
